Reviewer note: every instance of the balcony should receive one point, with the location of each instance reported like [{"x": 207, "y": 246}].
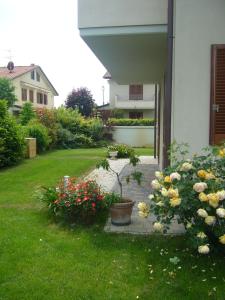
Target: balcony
[
  {"x": 101, "y": 13},
  {"x": 134, "y": 104},
  {"x": 128, "y": 37}
]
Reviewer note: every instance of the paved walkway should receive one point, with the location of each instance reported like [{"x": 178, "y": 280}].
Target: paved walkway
[{"x": 107, "y": 180}]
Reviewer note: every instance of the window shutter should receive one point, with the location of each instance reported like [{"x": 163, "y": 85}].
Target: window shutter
[{"x": 217, "y": 130}]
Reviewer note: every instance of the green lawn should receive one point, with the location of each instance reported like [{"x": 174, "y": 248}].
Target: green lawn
[{"x": 42, "y": 260}]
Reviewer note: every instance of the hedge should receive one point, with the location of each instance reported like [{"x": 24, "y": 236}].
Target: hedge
[{"x": 130, "y": 122}]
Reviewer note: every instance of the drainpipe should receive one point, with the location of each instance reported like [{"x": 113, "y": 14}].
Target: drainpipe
[{"x": 168, "y": 87}]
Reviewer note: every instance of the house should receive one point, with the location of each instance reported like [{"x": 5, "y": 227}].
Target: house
[
  {"x": 135, "y": 101},
  {"x": 31, "y": 85},
  {"x": 178, "y": 45}
]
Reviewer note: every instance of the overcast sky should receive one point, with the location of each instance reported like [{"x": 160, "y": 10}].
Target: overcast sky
[{"x": 44, "y": 32}]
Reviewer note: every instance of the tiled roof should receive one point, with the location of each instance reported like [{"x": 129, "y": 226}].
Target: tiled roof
[
  {"x": 17, "y": 71},
  {"x": 20, "y": 70}
]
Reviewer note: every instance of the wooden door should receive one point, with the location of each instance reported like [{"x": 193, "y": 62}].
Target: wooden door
[{"x": 217, "y": 103}]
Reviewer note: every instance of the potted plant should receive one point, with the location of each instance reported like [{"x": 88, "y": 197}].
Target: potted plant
[
  {"x": 112, "y": 151},
  {"x": 120, "y": 207}
]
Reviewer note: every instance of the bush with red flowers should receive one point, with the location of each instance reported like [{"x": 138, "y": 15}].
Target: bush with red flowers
[{"x": 75, "y": 201}]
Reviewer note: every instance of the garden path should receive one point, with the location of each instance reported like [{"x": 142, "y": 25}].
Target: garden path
[{"x": 107, "y": 180}]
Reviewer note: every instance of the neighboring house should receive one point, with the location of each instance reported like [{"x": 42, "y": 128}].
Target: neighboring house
[
  {"x": 178, "y": 44},
  {"x": 31, "y": 85},
  {"x": 136, "y": 101}
]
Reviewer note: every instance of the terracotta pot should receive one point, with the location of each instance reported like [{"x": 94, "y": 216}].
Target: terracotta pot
[{"x": 121, "y": 212}]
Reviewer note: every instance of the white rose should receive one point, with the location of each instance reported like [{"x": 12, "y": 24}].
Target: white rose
[
  {"x": 142, "y": 206},
  {"x": 220, "y": 212},
  {"x": 158, "y": 226},
  {"x": 143, "y": 214},
  {"x": 189, "y": 225},
  {"x": 160, "y": 203},
  {"x": 155, "y": 184},
  {"x": 202, "y": 213},
  {"x": 158, "y": 175},
  {"x": 203, "y": 249},
  {"x": 201, "y": 235},
  {"x": 151, "y": 196},
  {"x": 200, "y": 187},
  {"x": 210, "y": 220},
  {"x": 175, "y": 175},
  {"x": 186, "y": 167},
  {"x": 221, "y": 195},
  {"x": 164, "y": 192}
]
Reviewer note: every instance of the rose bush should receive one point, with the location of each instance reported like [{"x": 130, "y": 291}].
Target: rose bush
[
  {"x": 193, "y": 192},
  {"x": 74, "y": 201}
]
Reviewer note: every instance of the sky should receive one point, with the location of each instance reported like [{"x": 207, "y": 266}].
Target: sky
[{"x": 45, "y": 32}]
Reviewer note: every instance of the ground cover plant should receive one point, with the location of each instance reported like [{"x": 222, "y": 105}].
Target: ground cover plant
[{"x": 40, "y": 259}]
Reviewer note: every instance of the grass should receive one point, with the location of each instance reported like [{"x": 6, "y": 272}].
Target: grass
[{"x": 43, "y": 260}]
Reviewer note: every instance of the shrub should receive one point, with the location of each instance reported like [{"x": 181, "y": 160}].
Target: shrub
[
  {"x": 193, "y": 192},
  {"x": 74, "y": 201},
  {"x": 124, "y": 151},
  {"x": 93, "y": 128},
  {"x": 27, "y": 113},
  {"x": 130, "y": 122},
  {"x": 65, "y": 139},
  {"x": 81, "y": 140},
  {"x": 69, "y": 119},
  {"x": 47, "y": 117},
  {"x": 12, "y": 142},
  {"x": 40, "y": 132}
]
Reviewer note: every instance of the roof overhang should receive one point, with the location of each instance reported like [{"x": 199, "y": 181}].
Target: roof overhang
[{"x": 131, "y": 54}]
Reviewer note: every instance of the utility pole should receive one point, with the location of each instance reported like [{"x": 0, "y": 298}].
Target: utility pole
[{"x": 103, "y": 94}]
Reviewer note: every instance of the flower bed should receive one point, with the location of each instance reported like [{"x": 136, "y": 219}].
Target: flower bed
[
  {"x": 193, "y": 192},
  {"x": 74, "y": 201}
]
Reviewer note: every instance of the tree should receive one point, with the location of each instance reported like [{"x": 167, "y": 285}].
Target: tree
[
  {"x": 27, "y": 113},
  {"x": 7, "y": 91},
  {"x": 82, "y": 100}
]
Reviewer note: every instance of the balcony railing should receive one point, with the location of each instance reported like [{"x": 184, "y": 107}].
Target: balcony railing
[{"x": 134, "y": 104}]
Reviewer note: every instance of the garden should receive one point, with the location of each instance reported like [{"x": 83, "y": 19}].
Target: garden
[
  {"x": 45, "y": 259},
  {"x": 53, "y": 243}
]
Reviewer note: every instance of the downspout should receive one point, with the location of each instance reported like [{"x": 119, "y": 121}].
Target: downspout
[{"x": 168, "y": 88}]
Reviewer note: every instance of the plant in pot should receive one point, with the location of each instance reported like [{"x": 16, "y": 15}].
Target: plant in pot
[
  {"x": 112, "y": 151},
  {"x": 120, "y": 207}
]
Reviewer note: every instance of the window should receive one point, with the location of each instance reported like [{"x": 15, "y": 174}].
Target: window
[
  {"x": 37, "y": 76},
  {"x": 136, "y": 115},
  {"x": 136, "y": 92},
  {"x": 31, "y": 96},
  {"x": 32, "y": 75},
  {"x": 45, "y": 99},
  {"x": 24, "y": 94},
  {"x": 39, "y": 98}
]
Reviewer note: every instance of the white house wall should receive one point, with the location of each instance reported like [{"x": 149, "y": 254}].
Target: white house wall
[
  {"x": 198, "y": 25},
  {"x": 102, "y": 13},
  {"x": 25, "y": 81}
]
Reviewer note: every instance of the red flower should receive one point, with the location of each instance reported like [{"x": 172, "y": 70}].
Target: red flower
[
  {"x": 93, "y": 204},
  {"x": 86, "y": 198},
  {"x": 78, "y": 200}
]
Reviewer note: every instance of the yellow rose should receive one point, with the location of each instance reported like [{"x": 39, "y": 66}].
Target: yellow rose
[
  {"x": 222, "y": 152},
  {"x": 175, "y": 202},
  {"x": 210, "y": 175},
  {"x": 222, "y": 239},
  {"x": 167, "y": 179},
  {"x": 203, "y": 197},
  {"x": 173, "y": 193},
  {"x": 213, "y": 200},
  {"x": 202, "y": 173}
]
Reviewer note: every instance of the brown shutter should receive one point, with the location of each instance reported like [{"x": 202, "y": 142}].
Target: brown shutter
[{"x": 217, "y": 103}]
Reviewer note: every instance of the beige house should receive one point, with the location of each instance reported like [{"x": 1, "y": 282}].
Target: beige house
[
  {"x": 31, "y": 85},
  {"x": 136, "y": 101},
  {"x": 178, "y": 45}
]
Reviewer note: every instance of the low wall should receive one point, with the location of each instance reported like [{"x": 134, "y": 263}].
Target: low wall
[{"x": 135, "y": 136}]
